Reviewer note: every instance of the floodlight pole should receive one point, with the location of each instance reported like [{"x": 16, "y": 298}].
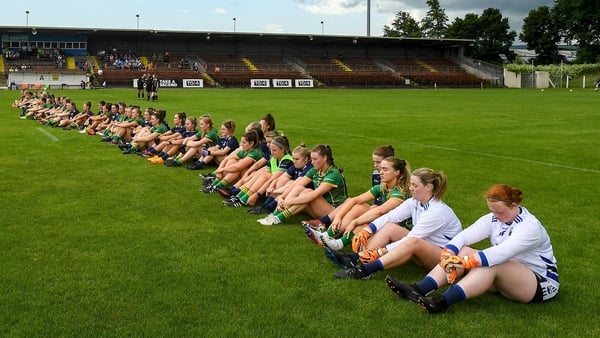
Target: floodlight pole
[
  {"x": 137, "y": 16},
  {"x": 368, "y": 17},
  {"x": 27, "y": 19},
  {"x": 234, "y": 24},
  {"x": 322, "y": 27}
]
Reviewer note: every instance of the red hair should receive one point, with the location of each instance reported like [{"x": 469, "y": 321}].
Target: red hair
[{"x": 505, "y": 193}]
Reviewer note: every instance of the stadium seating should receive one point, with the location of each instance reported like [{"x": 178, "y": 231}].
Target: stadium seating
[
  {"x": 435, "y": 72},
  {"x": 238, "y": 71},
  {"x": 222, "y": 70}
]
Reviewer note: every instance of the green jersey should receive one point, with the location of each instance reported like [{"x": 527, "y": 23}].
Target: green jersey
[
  {"x": 338, "y": 193},
  {"x": 211, "y": 134},
  {"x": 161, "y": 129},
  {"x": 254, "y": 154},
  {"x": 378, "y": 191}
]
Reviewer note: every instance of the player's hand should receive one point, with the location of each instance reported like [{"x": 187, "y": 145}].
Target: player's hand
[
  {"x": 370, "y": 255},
  {"x": 349, "y": 228},
  {"x": 451, "y": 274},
  {"x": 458, "y": 262},
  {"x": 360, "y": 239},
  {"x": 335, "y": 225},
  {"x": 446, "y": 253}
]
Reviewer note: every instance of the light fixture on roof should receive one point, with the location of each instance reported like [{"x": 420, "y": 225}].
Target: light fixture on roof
[
  {"x": 310, "y": 37},
  {"x": 208, "y": 36},
  {"x": 34, "y": 31}
]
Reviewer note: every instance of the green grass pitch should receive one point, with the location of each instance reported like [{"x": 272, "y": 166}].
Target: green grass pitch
[{"x": 95, "y": 243}]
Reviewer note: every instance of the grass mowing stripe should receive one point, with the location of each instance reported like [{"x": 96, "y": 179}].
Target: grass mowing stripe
[
  {"x": 432, "y": 146},
  {"x": 50, "y": 136}
]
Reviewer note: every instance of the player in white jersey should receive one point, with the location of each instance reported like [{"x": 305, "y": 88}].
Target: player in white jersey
[
  {"x": 520, "y": 264},
  {"x": 383, "y": 244}
]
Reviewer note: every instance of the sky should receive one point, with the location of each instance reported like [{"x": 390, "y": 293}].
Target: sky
[{"x": 331, "y": 17}]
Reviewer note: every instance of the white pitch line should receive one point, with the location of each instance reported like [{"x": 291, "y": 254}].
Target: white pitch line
[
  {"x": 50, "y": 136},
  {"x": 504, "y": 157}
]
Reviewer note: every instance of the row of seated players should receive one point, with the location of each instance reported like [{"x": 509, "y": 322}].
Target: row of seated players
[
  {"x": 238, "y": 175},
  {"x": 408, "y": 220}
]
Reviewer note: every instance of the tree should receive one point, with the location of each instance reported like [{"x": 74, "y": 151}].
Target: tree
[
  {"x": 434, "y": 23},
  {"x": 580, "y": 21},
  {"x": 404, "y": 25},
  {"x": 467, "y": 28},
  {"x": 490, "y": 31},
  {"x": 541, "y": 34}
]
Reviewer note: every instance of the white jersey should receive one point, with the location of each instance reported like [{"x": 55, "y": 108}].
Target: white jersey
[
  {"x": 434, "y": 221},
  {"x": 524, "y": 240}
]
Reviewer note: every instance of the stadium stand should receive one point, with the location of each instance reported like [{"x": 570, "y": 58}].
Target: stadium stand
[
  {"x": 352, "y": 71},
  {"x": 438, "y": 72},
  {"x": 238, "y": 71},
  {"x": 225, "y": 59}
]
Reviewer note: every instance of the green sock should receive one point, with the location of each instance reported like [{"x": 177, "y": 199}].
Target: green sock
[
  {"x": 347, "y": 239},
  {"x": 221, "y": 184},
  {"x": 245, "y": 195},
  {"x": 282, "y": 215}
]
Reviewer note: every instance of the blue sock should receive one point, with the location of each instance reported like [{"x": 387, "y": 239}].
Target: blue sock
[
  {"x": 373, "y": 267},
  {"x": 454, "y": 294},
  {"x": 234, "y": 190},
  {"x": 427, "y": 285},
  {"x": 270, "y": 204},
  {"x": 326, "y": 220}
]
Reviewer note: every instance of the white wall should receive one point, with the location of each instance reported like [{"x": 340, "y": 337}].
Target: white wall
[
  {"x": 55, "y": 80},
  {"x": 511, "y": 79}
]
